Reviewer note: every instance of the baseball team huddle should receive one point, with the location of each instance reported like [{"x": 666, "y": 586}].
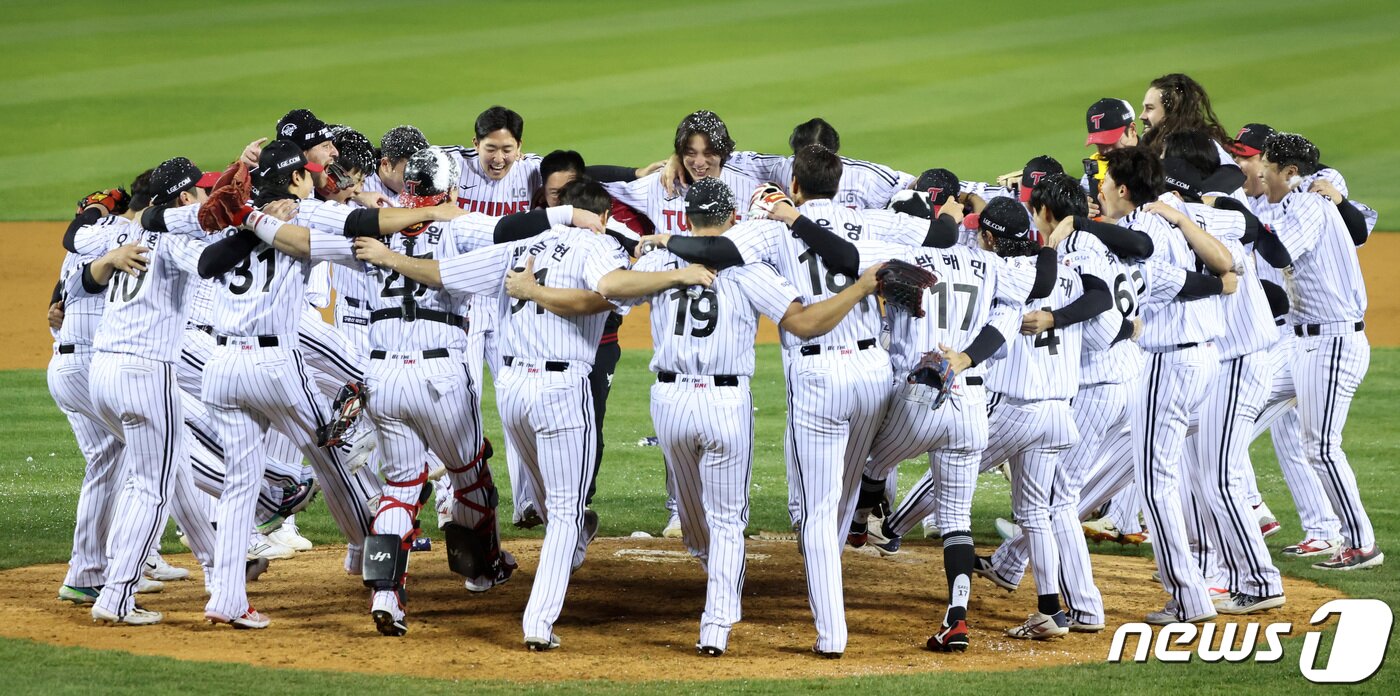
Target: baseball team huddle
[{"x": 1114, "y": 341}]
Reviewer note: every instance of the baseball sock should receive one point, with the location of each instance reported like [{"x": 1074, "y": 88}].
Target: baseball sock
[
  {"x": 872, "y": 495},
  {"x": 1048, "y": 604},
  {"x": 958, "y": 557}
]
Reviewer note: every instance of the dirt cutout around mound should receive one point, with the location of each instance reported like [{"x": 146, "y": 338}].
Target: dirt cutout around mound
[{"x": 632, "y": 614}]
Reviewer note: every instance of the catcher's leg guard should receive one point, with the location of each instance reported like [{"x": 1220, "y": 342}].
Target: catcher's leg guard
[
  {"x": 345, "y": 410},
  {"x": 467, "y": 551},
  {"x": 385, "y": 562},
  {"x": 475, "y": 551}
]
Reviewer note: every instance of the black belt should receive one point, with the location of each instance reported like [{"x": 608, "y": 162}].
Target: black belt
[
  {"x": 1280, "y": 321},
  {"x": 863, "y": 344},
  {"x": 1184, "y": 346},
  {"x": 974, "y": 381},
  {"x": 720, "y": 380},
  {"x": 427, "y": 354},
  {"x": 1315, "y": 329},
  {"x": 263, "y": 341},
  {"x": 549, "y": 365},
  {"x": 416, "y": 314},
  {"x": 67, "y": 349},
  {"x": 357, "y": 304},
  {"x": 205, "y": 328}
]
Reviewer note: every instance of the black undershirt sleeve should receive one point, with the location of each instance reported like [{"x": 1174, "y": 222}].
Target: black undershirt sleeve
[
  {"x": 1095, "y": 301},
  {"x": 716, "y": 252},
  {"x": 518, "y": 226},
  {"x": 1123, "y": 241},
  {"x": 1200, "y": 285},
  {"x": 1356, "y": 222},
  {"x": 89, "y": 216},
  {"x": 221, "y": 256},
  {"x": 1125, "y": 331},
  {"x": 987, "y": 343},
  {"x": 839, "y": 255},
  {"x": 627, "y": 243},
  {"x": 608, "y": 173},
  {"x": 153, "y": 218},
  {"x": 1277, "y": 296},
  {"x": 90, "y": 283},
  {"x": 1046, "y": 272},
  {"x": 362, "y": 222},
  {"x": 1226, "y": 177},
  {"x": 1272, "y": 250},
  {"x": 1251, "y": 223},
  {"x": 57, "y": 292},
  {"x": 942, "y": 232}
]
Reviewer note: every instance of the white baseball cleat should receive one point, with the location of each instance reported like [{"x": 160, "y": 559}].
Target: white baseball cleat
[
  {"x": 1040, "y": 626},
  {"x": 537, "y": 644},
  {"x": 1006, "y": 529},
  {"x": 261, "y": 547},
  {"x": 1312, "y": 547},
  {"x": 289, "y": 536},
  {"x": 145, "y": 585},
  {"x": 157, "y": 569},
  {"x": 1241, "y": 603},
  {"x": 360, "y": 447},
  {"x": 136, "y": 617},
  {"x": 673, "y": 527},
  {"x": 931, "y": 529},
  {"x": 251, "y": 618}
]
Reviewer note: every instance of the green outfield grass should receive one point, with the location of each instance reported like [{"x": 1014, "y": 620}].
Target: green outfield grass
[
  {"x": 40, "y": 469},
  {"x": 92, "y": 93}
]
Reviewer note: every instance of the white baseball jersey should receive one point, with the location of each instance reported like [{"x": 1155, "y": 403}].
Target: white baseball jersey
[
  {"x": 1340, "y": 182},
  {"x": 667, "y": 213},
  {"x": 1326, "y": 284},
  {"x": 771, "y": 241},
  {"x": 1046, "y": 365},
  {"x": 373, "y": 184},
  {"x": 318, "y": 285},
  {"x": 1249, "y": 325},
  {"x": 1085, "y": 254},
  {"x": 712, "y": 334},
  {"x": 863, "y": 184},
  {"x": 565, "y": 257},
  {"x": 82, "y": 312},
  {"x": 1171, "y": 324},
  {"x": 496, "y": 197},
  {"x": 146, "y": 312}
]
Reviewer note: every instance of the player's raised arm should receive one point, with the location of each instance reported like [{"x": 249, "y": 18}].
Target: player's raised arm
[{"x": 522, "y": 284}]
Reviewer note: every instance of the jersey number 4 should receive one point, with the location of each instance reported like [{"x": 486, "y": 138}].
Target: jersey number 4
[
  {"x": 1047, "y": 339},
  {"x": 704, "y": 310}
]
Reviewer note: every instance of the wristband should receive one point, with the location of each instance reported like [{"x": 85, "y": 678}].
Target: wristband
[
  {"x": 264, "y": 226},
  {"x": 560, "y": 215}
]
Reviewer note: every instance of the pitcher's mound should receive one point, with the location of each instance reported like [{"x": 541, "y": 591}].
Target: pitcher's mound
[{"x": 632, "y": 613}]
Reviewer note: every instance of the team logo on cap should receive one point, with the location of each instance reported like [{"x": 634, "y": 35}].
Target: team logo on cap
[
  {"x": 934, "y": 193},
  {"x": 180, "y": 186},
  {"x": 1241, "y": 133},
  {"x": 288, "y": 162},
  {"x": 994, "y": 225},
  {"x": 1097, "y": 119},
  {"x": 1036, "y": 177},
  {"x": 289, "y": 129}
]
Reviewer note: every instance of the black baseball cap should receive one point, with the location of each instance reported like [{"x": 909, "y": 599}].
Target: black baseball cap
[
  {"x": 282, "y": 156},
  {"x": 1181, "y": 177},
  {"x": 172, "y": 177},
  {"x": 1107, "y": 119},
  {"x": 1035, "y": 170},
  {"x": 1005, "y": 218},
  {"x": 709, "y": 196},
  {"x": 300, "y": 126},
  {"x": 1250, "y": 140},
  {"x": 939, "y": 184}
]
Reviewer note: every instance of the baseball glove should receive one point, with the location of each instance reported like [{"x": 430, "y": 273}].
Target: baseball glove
[
  {"x": 116, "y": 200},
  {"x": 227, "y": 205},
  {"x": 935, "y": 371},
  {"x": 763, "y": 199},
  {"x": 902, "y": 284}
]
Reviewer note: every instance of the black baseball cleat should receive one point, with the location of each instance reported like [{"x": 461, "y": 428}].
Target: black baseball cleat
[
  {"x": 858, "y": 535},
  {"x": 387, "y": 624},
  {"x": 983, "y": 566},
  {"x": 529, "y": 518},
  {"x": 708, "y": 650},
  {"x": 950, "y": 638},
  {"x": 826, "y": 654}
]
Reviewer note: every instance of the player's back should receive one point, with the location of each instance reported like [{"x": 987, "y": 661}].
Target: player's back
[
  {"x": 1045, "y": 365},
  {"x": 145, "y": 314},
  {"x": 409, "y": 316},
  {"x": 1170, "y": 325},
  {"x": 1325, "y": 285},
  {"x": 956, "y": 307}
]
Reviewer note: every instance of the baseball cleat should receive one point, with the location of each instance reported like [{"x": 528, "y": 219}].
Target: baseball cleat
[
  {"x": 505, "y": 566},
  {"x": 1077, "y": 626},
  {"x": 859, "y": 533},
  {"x": 261, "y": 547},
  {"x": 254, "y": 568},
  {"x": 1268, "y": 524},
  {"x": 1348, "y": 558},
  {"x": 1311, "y": 547},
  {"x": 421, "y": 544},
  {"x": 1218, "y": 593},
  {"x": 883, "y": 539},
  {"x": 136, "y": 617},
  {"x": 157, "y": 569},
  {"x": 1102, "y": 529},
  {"x": 826, "y": 654},
  {"x": 983, "y": 566},
  {"x": 1039, "y": 626},
  {"x": 358, "y": 450},
  {"x": 387, "y": 625},
  {"x": 1168, "y": 616},
  {"x": 949, "y": 638},
  {"x": 289, "y": 536},
  {"x": 1136, "y": 538},
  {"x": 78, "y": 595},
  {"x": 145, "y": 585},
  {"x": 294, "y": 499},
  {"x": 708, "y": 650},
  {"x": 931, "y": 529},
  {"x": 1241, "y": 603},
  {"x": 673, "y": 527},
  {"x": 529, "y": 518},
  {"x": 250, "y": 619},
  {"x": 1006, "y": 529},
  {"x": 537, "y": 644}
]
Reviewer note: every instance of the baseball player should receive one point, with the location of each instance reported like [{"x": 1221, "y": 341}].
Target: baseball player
[
  {"x": 701, "y": 404},
  {"x": 551, "y": 320},
  {"x": 1112, "y": 125},
  {"x": 1327, "y": 303},
  {"x": 703, "y": 148},
  {"x": 1175, "y": 103}
]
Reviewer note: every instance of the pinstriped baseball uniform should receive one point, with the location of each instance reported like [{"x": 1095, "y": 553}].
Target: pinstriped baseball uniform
[
  {"x": 1327, "y": 296},
  {"x": 543, "y": 395},
  {"x": 135, "y": 395},
  {"x": 837, "y": 388},
  {"x": 667, "y": 213},
  {"x": 1183, "y": 364},
  {"x": 1340, "y": 182},
  {"x": 703, "y": 413},
  {"x": 864, "y": 185}
]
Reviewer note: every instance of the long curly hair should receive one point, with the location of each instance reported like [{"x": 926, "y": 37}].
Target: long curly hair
[{"x": 1188, "y": 108}]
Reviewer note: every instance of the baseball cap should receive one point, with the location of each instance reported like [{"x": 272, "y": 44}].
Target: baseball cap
[
  {"x": 1250, "y": 140},
  {"x": 940, "y": 184},
  {"x": 1035, "y": 170},
  {"x": 281, "y": 156},
  {"x": 1005, "y": 218},
  {"x": 1106, "y": 120},
  {"x": 172, "y": 177},
  {"x": 1181, "y": 177},
  {"x": 709, "y": 196},
  {"x": 208, "y": 179},
  {"x": 300, "y": 126}
]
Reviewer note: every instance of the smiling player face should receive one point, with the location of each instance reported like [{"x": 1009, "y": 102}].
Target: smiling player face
[
  {"x": 699, "y": 158},
  {"x": 496, "y": 153},
  {"x": 1152, "y": 112}
]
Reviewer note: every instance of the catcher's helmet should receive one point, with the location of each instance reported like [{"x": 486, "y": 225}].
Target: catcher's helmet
[{"x": 429, "y": 177}]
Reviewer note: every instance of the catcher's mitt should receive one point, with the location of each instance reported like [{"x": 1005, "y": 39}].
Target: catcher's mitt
[
  {"x": 935, "y": 371},
  {"x": 902, "y": 284},
  {"x": 116, "y": 201},
  {"x": 227, "y": 205},
  {"x": 345, "y": 410},
  {"x": 763, "y": 199}
]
